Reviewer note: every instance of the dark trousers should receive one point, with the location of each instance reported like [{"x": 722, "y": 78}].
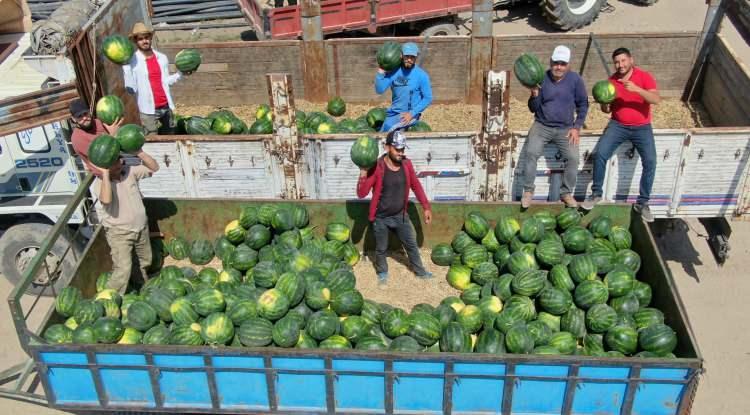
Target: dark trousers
[
  {"x": 642, "y": 138},
  {"x": 405, "y": 231},
  {"x": 280, "y": 3}
]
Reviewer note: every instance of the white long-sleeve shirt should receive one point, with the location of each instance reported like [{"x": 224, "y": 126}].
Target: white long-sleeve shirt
[{"x": 135, "y": 74}]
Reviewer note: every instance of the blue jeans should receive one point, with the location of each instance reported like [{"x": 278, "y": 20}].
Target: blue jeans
[
  {"x": 642, "y": 138},
  {"x": 401, "y": 224},
  {"x": 393, "y": 119}
]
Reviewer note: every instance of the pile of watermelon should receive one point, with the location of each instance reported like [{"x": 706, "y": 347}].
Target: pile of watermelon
[
  {"x": 525, "y": 288},
  {"x": 548, "y": 285}
]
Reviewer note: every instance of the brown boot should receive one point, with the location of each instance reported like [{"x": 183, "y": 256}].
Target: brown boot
[
  {"x": 526, "y": 199},
  {"x": 569, "y": 201}
]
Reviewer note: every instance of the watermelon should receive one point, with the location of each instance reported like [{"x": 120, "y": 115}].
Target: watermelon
[
  {"x": 560, "y": 278},
  {"x": 347, "y": 302},
  {"x": 188, "y": 335},
  {"x": 619, "y": 282},
  {"x": 338, "y": 232},
  {"x": 568, "y": 217},
  {"x": 528, "y": 70},
  {"x": 285, "y": 332},
  {"x": 626, "y": 305},
  {"x": 455, "y": 339},
  {"x": 201, "y": 252},
  {"x": 476, "y": 225},
  {"x": 336, "y": 106},
  {"x": 340, "y": 280},
  {"x": 243, "y": 258},
  {"x": 109, "y": 109},
  {"x": 208, "y": 300},
  {"x": 555, "y": 301},
  {"x": 131, "y": 138},
  {"x": 305, "y": 341},
  {"x": 108, "y": 330},
  {"x": 600, "y": 318},
  {"x": 531, "y": 230},
  {"x": 317, "y": 295},
  {"x": 389, "y": 56},
  {"x": 178, "y": 248},
  {"x": 424, "y": 328},
  {"x": 501, "y": 256},
  {"x": 257, "y": 236},
  {"x": 643, "y": 292},
  {"x": 141, "y": 315},
  {"x": 529, "y": 282},
  {"x": 158, "y": 334},
  {"x": 502, "y": 288},
  {"x": 551, "y": 321},
  {"x": 182, "y": 311},
  {"x": 470, "y": 318},
  {"x": 395, "y": 323},
  {"x": 490, "y": 341},
  {"x": 322, "y": 325},
  {"x": 540, "y": 332},
  {"x": 484, "y": 272},
  {"x": 262, "y": 126},
  {"x": 622, "y": 339},
  {"x": 574, "y": 321},
  {"x": 620, "y": 237},
  {"x": 420, "y": 126},
  {"x": 506, "y": 228},
  {"x": 576, "y": 239},
  {"x": 130, "y": 336},
  {"x": 84, "y": 334},
  {"x": 375, "y": 118},
  {"x": 67, "y": 300},
  {"x": 58, "y": 334},
  {"x": 459, "y": 276},
  {"x": 600, "y": 226},
  {"x": 563, "y": 341},
  {"x": 550, "y": 252},
  {"x": 256, "y": 332},
  {"x": 545, "y": 350},
  {"x": 657, "y": 338},
  {"x": 118, "y": 49},
  {"x": 405, "y": 344},
  {"x": 198, "y": 126},
  {"x": 490, "y": 242},
  {"x": 354, "y": 328},
  {"x": 474, "y": 255},
  {"x": 647, "y": 316},
  {"x": 629, "y": 259},
  {"x": 221, "y": 124},
  {"x": 521, "y": 261},
  {"x": 442, "y": 254},
  {"x": 104, "y": 151},
  {"x": 111, "y": 308},
  {"x": 335, "y": 342},
  {"x": 273, "y": 304},
  {"x": 187, "y": 60},
  {"x": 604, "y": 92},
  {"x": 518, "y": 340},
  {"x": 588, "y": 293},
  {"x": 509, "y": 317},
  {"x": 582, "y": 268},
  {"x": 523, "y": 305},
  {"x": 371, "y": 343},
  {"x": 234, "y": 232},
  {"x": 87, "y": 311}
]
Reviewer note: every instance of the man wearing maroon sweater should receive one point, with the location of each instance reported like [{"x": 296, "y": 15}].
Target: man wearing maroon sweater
[
  {"x": 390, "y": 181},
  {"x": 85, "y": 129}
]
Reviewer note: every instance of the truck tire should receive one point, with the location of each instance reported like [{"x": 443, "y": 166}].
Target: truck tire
[
  {"x": 442, "y": 29},
  {"x": 648, "y": 2},
  {"x": 571, "y": 14},
  {"x": 19, "y": 245}
]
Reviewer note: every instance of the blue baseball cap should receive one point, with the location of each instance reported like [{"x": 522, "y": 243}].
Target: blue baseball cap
[{"x": 410, "y": 49}]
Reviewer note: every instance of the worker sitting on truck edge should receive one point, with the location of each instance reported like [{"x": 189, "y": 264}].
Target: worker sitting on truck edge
[
  {"x": 147, "y": 77},
  {"x": 411, "y": 90},
  {"x": 631, "y": 121},
  {"x": 553, "y": 103},
  {"x": 123, "y": 216},
  {"x": 85, "y": 129},
  {"x": 391, "y": 180}
]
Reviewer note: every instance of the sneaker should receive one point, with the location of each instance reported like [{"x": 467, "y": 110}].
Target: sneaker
[
  {"x": 569, "y": 200},
  {"x": 589, "y": 203},
  {"x": 526, "y": 199},
  {"x": 645, "y": 212},
  {"x": 425, "y": 275},
  {"x": 382, "y": 278}
]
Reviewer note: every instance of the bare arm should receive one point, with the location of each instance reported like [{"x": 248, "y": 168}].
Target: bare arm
[
  {"x": 105, "y": 190},
  {"x": 651, "y": 96},
  {"x": 148, "y": 161}
]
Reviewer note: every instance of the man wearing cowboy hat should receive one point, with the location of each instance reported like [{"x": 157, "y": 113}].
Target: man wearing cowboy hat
[
  {"x": 147, "y": 77},
  {"x": 411, "y": 90}
]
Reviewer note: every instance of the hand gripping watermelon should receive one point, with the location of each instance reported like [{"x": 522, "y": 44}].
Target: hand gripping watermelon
[{"x": 604, "y": 92}]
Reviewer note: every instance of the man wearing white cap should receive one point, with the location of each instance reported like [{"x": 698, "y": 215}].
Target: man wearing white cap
[
  {"x": 147, "y": 77},
  {"x": 410, "y": 85},
  {"x": 562, "y": 95}
]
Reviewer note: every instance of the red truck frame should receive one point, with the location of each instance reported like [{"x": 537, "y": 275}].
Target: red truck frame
[{"x": 348, "y": 15}]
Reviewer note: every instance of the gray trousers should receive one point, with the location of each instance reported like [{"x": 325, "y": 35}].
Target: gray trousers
[
  {"x": 539, "y": 136},
  {"x": 401, "y": 224},
  {"x": 162, "y": 122}
]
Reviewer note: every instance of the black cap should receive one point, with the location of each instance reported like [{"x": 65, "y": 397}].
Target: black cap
[{"x": 78, "y": 108}]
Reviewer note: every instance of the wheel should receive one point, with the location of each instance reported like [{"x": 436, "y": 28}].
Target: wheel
[
  {"x": 648, "y": 2},
  {"x": 20, "y": 243},
  {"x": 571, "y": 14},
  {"x": 442, "y": 29}
]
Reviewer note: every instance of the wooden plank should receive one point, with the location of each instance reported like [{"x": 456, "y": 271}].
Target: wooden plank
[{"x": 315, "y": 71}]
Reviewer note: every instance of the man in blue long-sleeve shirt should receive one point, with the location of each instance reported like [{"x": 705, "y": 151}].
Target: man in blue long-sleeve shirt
[
  {"x": 410, "y": 86},
  {"x": 561, "y": 94}
]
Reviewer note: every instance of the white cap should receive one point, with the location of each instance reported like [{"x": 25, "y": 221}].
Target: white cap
[{"x": 561, "y": 54}]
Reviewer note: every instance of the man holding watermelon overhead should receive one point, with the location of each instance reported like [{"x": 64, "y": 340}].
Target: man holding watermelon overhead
[
  {"x": 561, "y": 94},
  {"x": 86, "y": 129},
  {"x": 410, "y": 87},
  {"x": 391, "y": 180},
  {"x": 123, "y": 216},
  {"x": 636, "y": 92},
  {"x": 147, "y": 77}
]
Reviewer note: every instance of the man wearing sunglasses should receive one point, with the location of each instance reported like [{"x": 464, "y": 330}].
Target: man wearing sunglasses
[
  {"x": 147, "y": 77},
  {"x": 410, "y": 87},
  {"x": 554, "y": 103},
  {"x": 86, "y": 129},
  {"x": 391, "y": 180}
]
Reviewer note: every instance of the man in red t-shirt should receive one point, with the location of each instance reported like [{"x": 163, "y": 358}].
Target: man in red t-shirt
[
  {"x": 86, "y": 129},
  {"x": 631, "y": 121}
]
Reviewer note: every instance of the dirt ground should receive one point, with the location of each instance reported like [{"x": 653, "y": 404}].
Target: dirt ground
[{"x": 671, "y": 113}]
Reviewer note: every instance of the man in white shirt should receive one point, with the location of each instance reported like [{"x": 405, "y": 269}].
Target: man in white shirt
[{"x": 147, "y": 77}]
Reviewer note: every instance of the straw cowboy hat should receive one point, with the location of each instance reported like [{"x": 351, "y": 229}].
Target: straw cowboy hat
[{"x": 140, "y": 29}]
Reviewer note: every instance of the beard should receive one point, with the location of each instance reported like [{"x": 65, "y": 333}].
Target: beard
[{"x": 395, "y": 159}]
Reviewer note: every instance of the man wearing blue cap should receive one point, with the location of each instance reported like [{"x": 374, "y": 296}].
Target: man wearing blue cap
[{"x": 411, "y": 89}]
